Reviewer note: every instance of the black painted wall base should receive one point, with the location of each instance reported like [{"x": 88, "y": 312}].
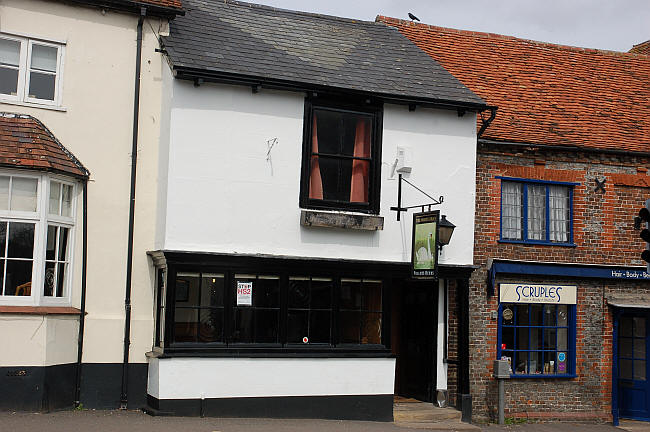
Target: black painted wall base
[
  {"x": 37, "y": 388},
  {"x": 101, "y": 385},
  {"x": 363, "y": 407}
]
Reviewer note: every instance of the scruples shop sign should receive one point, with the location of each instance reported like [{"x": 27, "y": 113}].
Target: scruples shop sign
[{"x": 533, "y": 293}]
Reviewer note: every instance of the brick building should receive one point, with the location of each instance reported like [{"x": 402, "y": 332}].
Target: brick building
[{"x": 560, "y": 290}]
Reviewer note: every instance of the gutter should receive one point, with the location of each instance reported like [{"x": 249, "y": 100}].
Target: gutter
[
  {"x": 134, "y": 6},
  {"x": 199, "y": 76},
  {"x": 565, "y": 148},
  {"x": 129, "y": 257},
  {"x": 82, "y": 317},
  {"x": 488, "y": 122}
]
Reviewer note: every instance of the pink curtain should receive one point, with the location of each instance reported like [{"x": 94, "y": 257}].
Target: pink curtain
[
  {"x": 315, "y": 180},
  {"x": 359, "y": 183}
]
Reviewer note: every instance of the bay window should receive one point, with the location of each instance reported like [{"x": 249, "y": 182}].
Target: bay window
[
  {"x": 35, "y": 239},
  {"x": 30, "y": 70},
  {"x": 536, "y": 212}
]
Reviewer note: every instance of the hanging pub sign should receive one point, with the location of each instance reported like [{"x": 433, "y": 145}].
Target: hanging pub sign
[{"x": 424, "y": 252}]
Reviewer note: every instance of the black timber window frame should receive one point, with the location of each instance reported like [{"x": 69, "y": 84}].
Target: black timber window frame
[
  {"x": 371, "y": 108},
  {"x": 285, "y": 271}
]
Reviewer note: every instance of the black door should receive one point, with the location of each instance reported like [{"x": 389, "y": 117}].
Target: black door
[{"x": 418, "y": 336}]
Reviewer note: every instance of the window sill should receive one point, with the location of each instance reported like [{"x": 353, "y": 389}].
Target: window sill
[
  {"x": 39, "y": 310},
  {"x": 542, "y": 376},
  {"x": 538, "y": 243},
  {"x": 33, "y": 105},
  {"x": 341, "y": 220},
  {"x": 265, "y": 353}
]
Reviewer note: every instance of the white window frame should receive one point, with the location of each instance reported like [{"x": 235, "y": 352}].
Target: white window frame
[
  {"x": 22, "y": 93},
  {"x": 42, "y": 219}
]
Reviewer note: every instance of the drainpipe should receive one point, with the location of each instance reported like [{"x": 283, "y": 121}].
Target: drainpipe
[
  {"x": 82, "y": 317},
  {"x": 486, "y": 123},
  {"x": 129, "y": 254}
]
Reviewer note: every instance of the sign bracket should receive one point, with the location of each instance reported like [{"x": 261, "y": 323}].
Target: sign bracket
[{"x": 399, "y": 208}]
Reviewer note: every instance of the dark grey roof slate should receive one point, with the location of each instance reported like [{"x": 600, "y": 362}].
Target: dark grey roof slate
[{"x": 262, "y": 42}]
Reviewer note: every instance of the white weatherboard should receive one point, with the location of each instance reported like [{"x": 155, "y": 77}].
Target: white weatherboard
[{"x": 536, "y": 293}]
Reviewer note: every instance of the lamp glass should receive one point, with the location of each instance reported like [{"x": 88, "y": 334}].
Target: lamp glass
[{"x": 445, "y": 230}]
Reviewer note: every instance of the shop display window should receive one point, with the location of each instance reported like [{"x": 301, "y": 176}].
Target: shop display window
[{"x": 537, "y": 339}]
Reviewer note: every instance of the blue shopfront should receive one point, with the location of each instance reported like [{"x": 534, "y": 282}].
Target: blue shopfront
[{"x": 576, "y": 331}]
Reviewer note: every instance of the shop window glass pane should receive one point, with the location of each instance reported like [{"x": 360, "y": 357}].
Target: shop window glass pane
[
  {"x": 50, "y": 246},
  {"x": 549, "y": 338},
  {"x": 522, "y": 337},
  {"x": 185, "y": 324},
  {"x": 508, "y": 337},
  {"x": 266, "y": 292},
  {"x": 371, "y": 296},
  {"x": 297, "y": 326},
  {"x": 299, "y": 294},
  {"x": 243, "y": 330},
  {"x": 66, "y": 202},
  {"x": 521, "y": 315},
  {"x": 550, "y": 367},
  {"x": 549, "y": 315},
  {"x": 626, "y": 347},
  {"x": 41, "y": 85},
  {"x": 536, "y": 315},
  {"x": 321, "y": 293},
  {"x": 639, "y": 370},
  {"x": 63, "y": 243},
  {"x": 350, "y": 294},
  {"x": 212, "y": 290},
  {"x": 349, "y": 327},
  {"x": 2, "y": 276},
  {"x": 44, "y": 58},
  {"x": 521, "y": 362},
  {"x": 639, "y": 348},
  {"x": 267, "y": 323},
  {"x": 508, "y": 315},
  {"x": 50, "y": 279},
  {"x": 626, "y": 326},
  {"x": 4, "y": 181},
  {"x": 60, "y": 278},
  {"x": 625, "y": 369},
  {"x": 562, "y": 339},
  {"x": 19, "y": 278},
  {"x": 639, "y": 327},
  {"x": 187, "y": 289},
  {"x": 23, "y": 194},
  {"x": 535, "y": 338},
  {"x": 55, "y": 198},
  {"x": 21, "y": 240},
  {"x": 211, "y": 327},
  {"x": 3, "y": 238},
  {"x": 319, "y": 327},
  {"x": 536, "y": 363},
  {"x": 371, "y": 328},
  {"x": 562, "y": 316}
]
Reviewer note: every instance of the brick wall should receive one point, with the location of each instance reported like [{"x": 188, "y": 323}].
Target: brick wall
[{"x": 603, "y": 233}]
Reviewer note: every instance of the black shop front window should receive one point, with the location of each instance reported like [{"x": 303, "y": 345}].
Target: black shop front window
[
  {"x": 341, "y": 157},
  {"x": 281, "y": 311}
]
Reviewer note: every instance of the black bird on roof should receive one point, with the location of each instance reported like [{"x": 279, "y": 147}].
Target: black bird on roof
[{"x": 413, "y": 17}]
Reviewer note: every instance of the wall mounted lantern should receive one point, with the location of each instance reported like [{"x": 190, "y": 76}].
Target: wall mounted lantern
[{"x": 445, "y": 230}]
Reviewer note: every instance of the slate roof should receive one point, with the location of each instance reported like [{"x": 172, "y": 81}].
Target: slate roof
[
  {"x": 25, "y": 142},
  {"x": 237, "y": 39},
  {"x": 547, "y": 94}
]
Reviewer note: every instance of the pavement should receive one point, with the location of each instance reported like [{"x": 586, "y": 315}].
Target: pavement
[{"x": 136, "y": 421}]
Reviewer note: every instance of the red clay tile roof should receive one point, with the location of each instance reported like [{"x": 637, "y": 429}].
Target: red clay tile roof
[
  {"x": 175, "y": 4},
  {"x": 642, "y": 48},
  {"x": 546, "y": 94},
  {"x": 26, "y": 143}
]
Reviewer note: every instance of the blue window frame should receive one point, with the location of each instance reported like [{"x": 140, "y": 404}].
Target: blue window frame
[
  {"x": 537, "y": 339},
  {"x": 535, "y": 211}
]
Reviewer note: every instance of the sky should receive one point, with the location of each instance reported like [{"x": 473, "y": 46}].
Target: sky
[{"x": 604, "y": 24}]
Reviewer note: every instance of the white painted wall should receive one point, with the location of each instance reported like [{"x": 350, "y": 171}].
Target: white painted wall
[
  {"x": 441, "y": 372},
  {"x": 223, "y": 195},
  {"x": 194, "y": 378},
  {"x": 96, "y": 126}
]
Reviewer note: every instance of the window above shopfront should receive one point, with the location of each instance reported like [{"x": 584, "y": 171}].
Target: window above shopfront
[{"x": 536, "y": 212}]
